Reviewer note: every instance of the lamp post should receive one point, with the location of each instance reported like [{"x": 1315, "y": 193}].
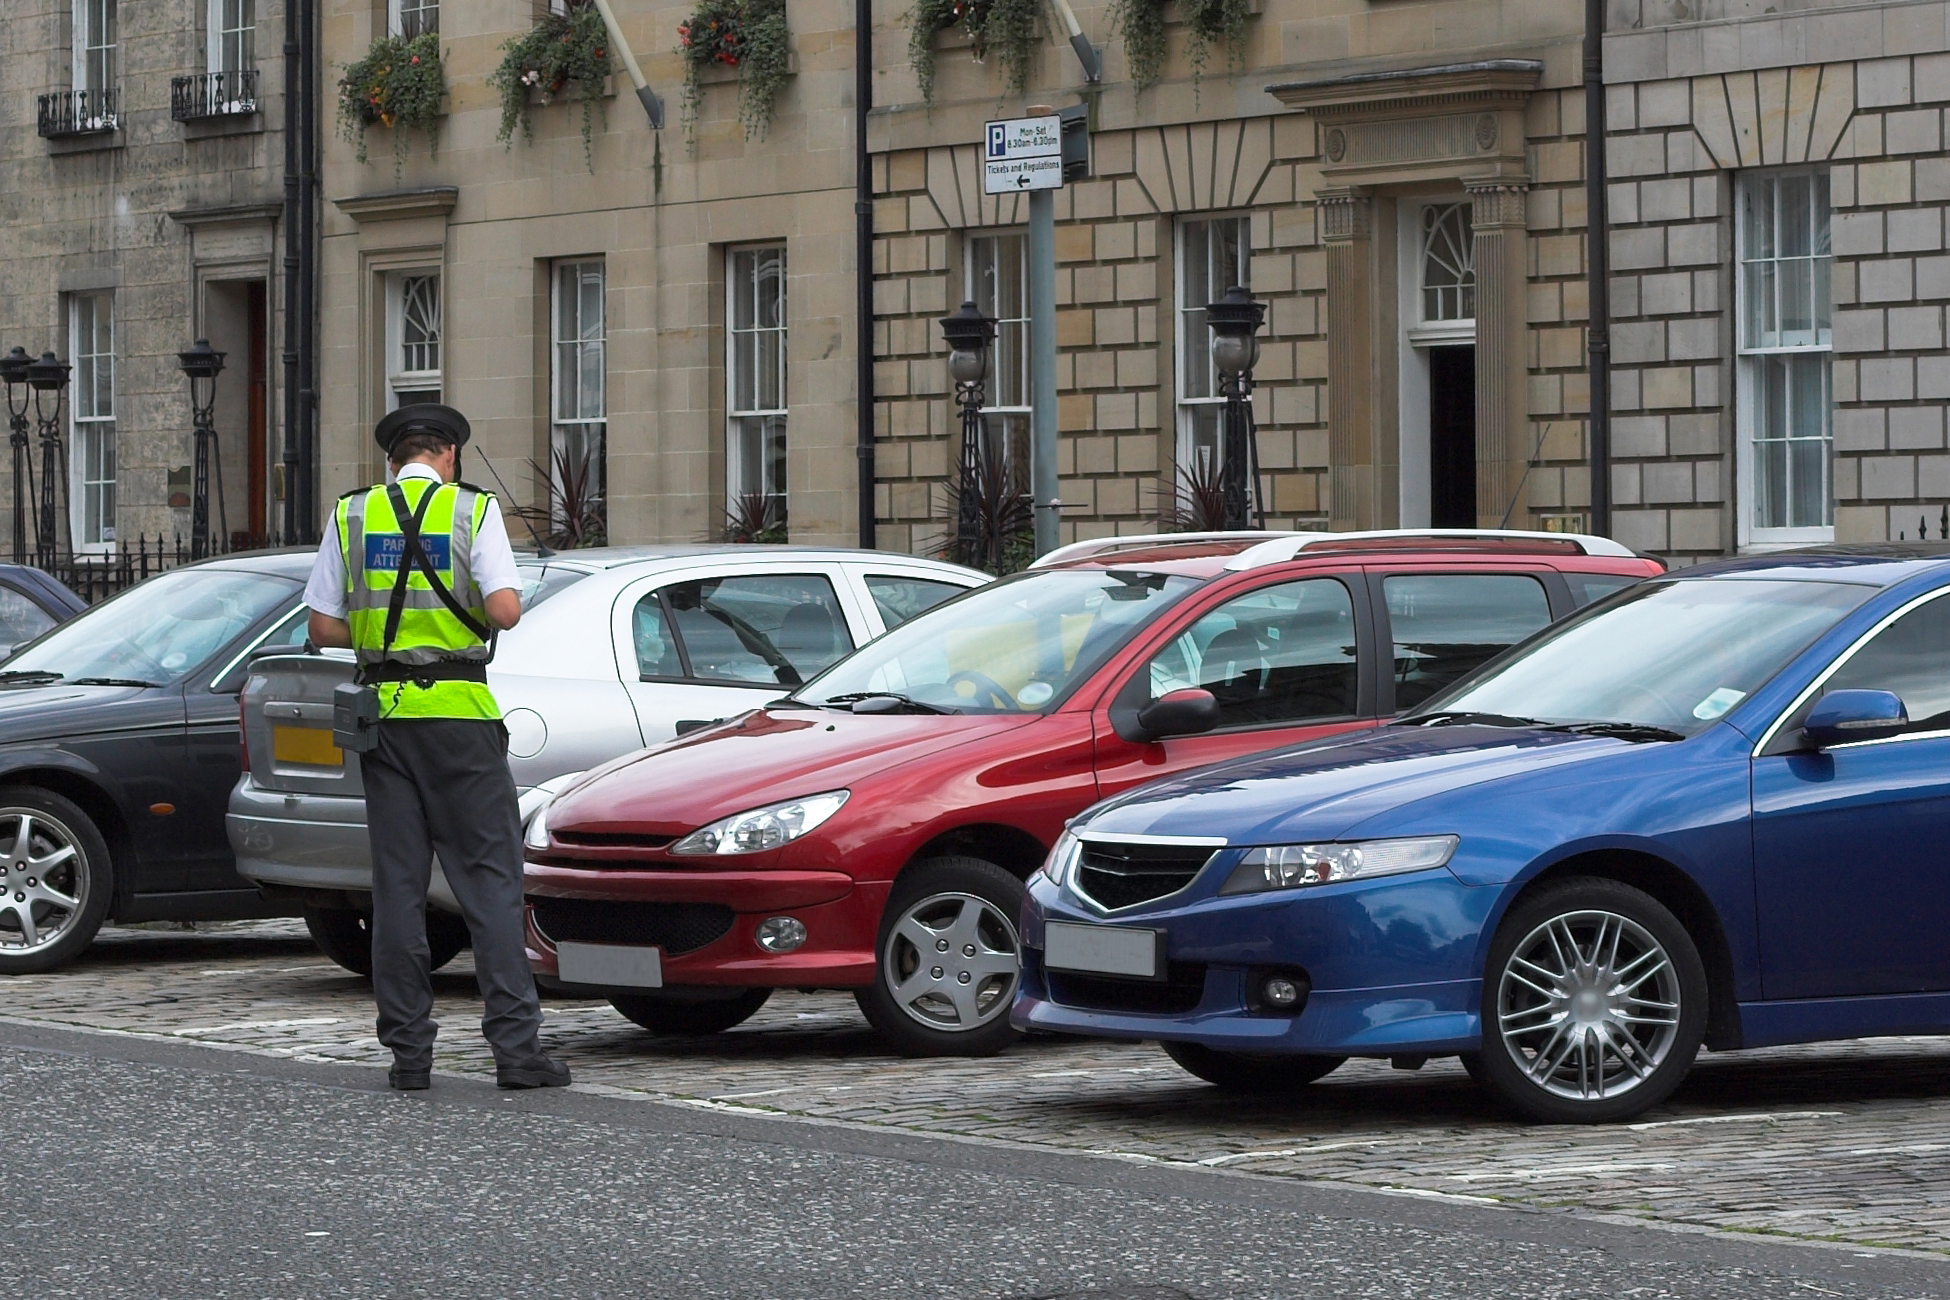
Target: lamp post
[
  {"x": 50, "y": 375},
  {"x": 203, "y": 363},
  {"x": 1235, "y": 321},
  {"x": 969, "y": 334},
  {"x": 13, "y": 371}
]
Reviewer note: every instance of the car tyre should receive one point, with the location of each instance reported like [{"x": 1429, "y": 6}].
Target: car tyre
[
  {"x": 58, "y": 880},
  {"x": 345, "y": 935},
  {"x": 1251, "y": 1071},
  {"x": 959, "y": 913},
  {"x": 1594, "y": 1004},
  {"x": 690, "y": 1014}
]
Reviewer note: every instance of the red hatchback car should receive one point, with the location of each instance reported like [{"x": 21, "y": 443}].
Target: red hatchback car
[{"x": 872, "y": 831}]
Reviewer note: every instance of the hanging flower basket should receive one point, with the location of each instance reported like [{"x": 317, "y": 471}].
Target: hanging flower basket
[
  {"x": 1008, "y": 28},
  {"x": 749, "y": 37},
  {"x": 563, "y": 50},
  {"x": 397, "y": 85}
]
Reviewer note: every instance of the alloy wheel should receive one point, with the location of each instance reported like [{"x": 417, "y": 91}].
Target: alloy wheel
[
  {"x": 1588, "y": 1005},
  {"x": 45, "y": 877},
  {"x": 952, "y": 962}
]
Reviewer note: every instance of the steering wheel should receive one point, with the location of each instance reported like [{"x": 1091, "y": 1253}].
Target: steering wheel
[{"x": 986, "y": 685}]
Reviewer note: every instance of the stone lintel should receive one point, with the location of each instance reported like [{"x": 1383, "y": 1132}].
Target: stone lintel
[
  {"x": 396, "y": 205},
  {"x": 1415, "y": 91},
  {"x": 231, "y": 214}
]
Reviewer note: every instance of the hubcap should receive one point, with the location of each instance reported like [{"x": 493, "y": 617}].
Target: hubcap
[
  {"x": 45, "y": 881},
  {"x": 952, "y": 962},
  {"x": 1588, "y": 1005}
]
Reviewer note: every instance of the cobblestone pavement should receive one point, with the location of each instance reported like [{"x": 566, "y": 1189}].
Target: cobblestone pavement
[{"x": 1844, "y": 1142}]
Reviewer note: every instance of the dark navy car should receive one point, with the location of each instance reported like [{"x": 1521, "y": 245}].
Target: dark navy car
[{"x": 1714, "y": 808}]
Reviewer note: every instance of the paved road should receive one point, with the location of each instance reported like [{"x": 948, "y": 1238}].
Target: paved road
[{"x": 155, "y": 1169}]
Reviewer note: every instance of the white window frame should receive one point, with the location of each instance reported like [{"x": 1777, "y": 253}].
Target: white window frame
[
  {"x": 588, "y": 430},
  {"x": 1414, "y": 493},
  {"x": 397, "y": 376},
  {"x": 398, "y": 11},
  {"x": 1748, "y": 359},
  {"x": 90, "y": 47},
  {"x": 735, "y": 485},
  {"x": 1008, "y": 413},
  {"x": 1193, "y": 345},
  {"x": 216, "y": 59},
  {"x": 91, "y": 436}
]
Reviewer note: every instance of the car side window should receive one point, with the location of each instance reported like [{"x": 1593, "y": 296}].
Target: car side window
[
  {"x": 1589, "y": 587},
  {"x": 900, "y": 599},
  {"x": 21, "y": 620},
  {"x": 656, "y": 648},
  {"x": 1283, "y": 654},
  {"x": 1447, "y": 624},
  {"x": 1912, "y": 658},
  {"x": 759, "y": 629}
]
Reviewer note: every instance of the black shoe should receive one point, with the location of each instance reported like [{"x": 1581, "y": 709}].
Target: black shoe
[
  {"x": 538, "y": 1073},
  {"x": 405, "y": 1079}
]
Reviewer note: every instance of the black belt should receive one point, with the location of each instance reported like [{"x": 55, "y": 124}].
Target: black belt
[{"x": 447, "y": 670}]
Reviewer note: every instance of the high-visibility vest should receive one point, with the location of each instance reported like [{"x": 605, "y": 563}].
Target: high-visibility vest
[{"x": 374, "y": 547}]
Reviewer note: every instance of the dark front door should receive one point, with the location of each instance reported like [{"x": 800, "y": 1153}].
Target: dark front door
[{"x": 1452, "y": 437}]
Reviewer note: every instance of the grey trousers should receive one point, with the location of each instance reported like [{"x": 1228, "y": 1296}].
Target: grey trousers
[{"x": 438, "y": 785}]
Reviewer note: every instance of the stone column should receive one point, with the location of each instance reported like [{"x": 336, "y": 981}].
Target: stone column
[
  {"x": 1503, "y": 434},
  {"x": 1346, "y": 218}
]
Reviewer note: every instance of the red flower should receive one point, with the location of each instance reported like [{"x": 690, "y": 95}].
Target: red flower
[{"x": 416, "y": 60}]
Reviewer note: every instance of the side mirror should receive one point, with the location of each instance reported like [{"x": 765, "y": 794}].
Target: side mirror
[
  {"x": 1179, "y": 713},
  {"x": 1840, "y": 717}
]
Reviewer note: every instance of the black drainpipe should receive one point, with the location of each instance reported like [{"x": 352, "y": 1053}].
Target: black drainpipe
[
  {"x": 289, "y": 456},
  {"x": 863, "y": 259},
  {"x": 1598, "y": 268},
  {"x": 308, "y": 279}
]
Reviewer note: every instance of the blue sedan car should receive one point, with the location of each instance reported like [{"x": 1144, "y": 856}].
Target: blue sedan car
[{"x": 1712, "y": 809}]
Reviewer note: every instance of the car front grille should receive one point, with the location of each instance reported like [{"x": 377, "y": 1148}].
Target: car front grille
[
  {"x": 1182, "y": 990},
  {"x": 674, "y": 927},
  {"x": 1114, "y": 875}
]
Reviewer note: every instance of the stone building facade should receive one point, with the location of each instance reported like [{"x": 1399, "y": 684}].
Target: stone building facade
[{"x": 140, "y": 197}]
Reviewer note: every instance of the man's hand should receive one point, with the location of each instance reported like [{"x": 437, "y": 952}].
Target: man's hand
[
  {"x": 503, "y": 609},
  {"x": 328, "y": 631}
]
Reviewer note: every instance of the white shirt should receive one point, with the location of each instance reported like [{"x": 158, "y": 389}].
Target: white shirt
[{"x": 490, "y": 558}]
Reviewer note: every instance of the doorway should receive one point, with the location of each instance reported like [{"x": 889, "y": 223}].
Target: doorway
[{"x": 1452, "y": 437}]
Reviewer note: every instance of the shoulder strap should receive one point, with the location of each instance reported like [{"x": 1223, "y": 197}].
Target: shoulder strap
[{"x": 416, "y": 556}]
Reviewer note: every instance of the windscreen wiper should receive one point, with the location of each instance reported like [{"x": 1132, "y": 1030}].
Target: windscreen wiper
[
  {"x": 894, "y": 702},
  {"x": 1635, "y": 732},
  {"x": 29, "y": 675},
  {"x": 110, "y": 681},
  {"x": 1465, "y": 718}
]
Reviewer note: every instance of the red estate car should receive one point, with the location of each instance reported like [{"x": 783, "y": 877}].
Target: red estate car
[{"x": 872, "y": 831}]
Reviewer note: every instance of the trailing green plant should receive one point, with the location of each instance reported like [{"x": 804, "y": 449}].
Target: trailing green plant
[
  {"x": 562, "y": 48},
  {"x": 1010, "y": 28},
  {"x": 748, "y": 35},
  {"x": 1140, "y": 24},
  {"x": 398, "y": 84}
]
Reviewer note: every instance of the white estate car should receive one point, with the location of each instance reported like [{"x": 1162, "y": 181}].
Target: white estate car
[{"x": 618, "y": 648}]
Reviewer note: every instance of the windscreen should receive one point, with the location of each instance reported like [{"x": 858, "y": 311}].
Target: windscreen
[
  {"x": 1671, "y": 655},
  {"x": 1013, "y": 647},
  {"x": 159, "y": 630}
]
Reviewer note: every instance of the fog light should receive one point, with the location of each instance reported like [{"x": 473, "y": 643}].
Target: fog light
[
  {"x": 1279, "y": 992},
  {"x": 781, "y": 933}
]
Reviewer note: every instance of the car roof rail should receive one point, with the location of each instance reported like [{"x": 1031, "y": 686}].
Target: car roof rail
[
  {"x": 1506, "y": 541},
  {"x": 1100, "y": 546}
]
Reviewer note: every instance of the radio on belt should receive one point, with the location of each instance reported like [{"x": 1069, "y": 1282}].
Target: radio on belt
[{"x": 355, "y": 717}]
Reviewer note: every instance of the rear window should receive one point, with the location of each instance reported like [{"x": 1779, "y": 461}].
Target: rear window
[
  {"x": 540, "y": 581},
  {"x": 899, "y": 599},
  {"x": 1446, "y": 625},
  {"x": 1589, "y": 588}
]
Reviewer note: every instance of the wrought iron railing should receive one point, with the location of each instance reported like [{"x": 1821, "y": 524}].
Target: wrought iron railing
[
  {"x": 78, "y": 112},
  {"x": 95, "y": 576},
  {"x": 213, "y": 94}
]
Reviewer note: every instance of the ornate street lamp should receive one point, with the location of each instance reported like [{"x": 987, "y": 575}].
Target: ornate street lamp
[
  {"x": 13, "y": 372},
  {"x": 50, "y": 375},
  {"x": 203, "y": 363},
  {"x": 1235, "y": 321},
  {"x": 969, "y": 334}
]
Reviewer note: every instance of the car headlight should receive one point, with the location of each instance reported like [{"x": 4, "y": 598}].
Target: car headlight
[
  {"x": 1062, "y": 859},
  {"x": 759, "y": 829},
  {"x": 1294, "y": 866},
  {"x": 536, "y": 836}
]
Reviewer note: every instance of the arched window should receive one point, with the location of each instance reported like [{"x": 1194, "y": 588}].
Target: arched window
[{"x": 1448, "y": 263}]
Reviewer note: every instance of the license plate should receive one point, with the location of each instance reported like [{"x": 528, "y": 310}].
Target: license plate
[
  {"x": 1104, "y": 950},
  {"x": 610, "y": 963},
  {"x": 309, "y": 746}
]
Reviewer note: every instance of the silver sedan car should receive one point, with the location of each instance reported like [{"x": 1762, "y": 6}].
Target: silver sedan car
[{"x": 617, "y": 649}]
